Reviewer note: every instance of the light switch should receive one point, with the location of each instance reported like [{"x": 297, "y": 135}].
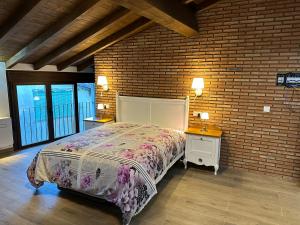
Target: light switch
[{"x": 267, "y": 108}]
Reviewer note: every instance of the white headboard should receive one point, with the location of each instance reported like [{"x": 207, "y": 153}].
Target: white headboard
[{"x": 168, "y": 113}]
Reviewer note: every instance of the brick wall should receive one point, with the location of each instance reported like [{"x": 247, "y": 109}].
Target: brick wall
[{"x": 239, "y": 50}]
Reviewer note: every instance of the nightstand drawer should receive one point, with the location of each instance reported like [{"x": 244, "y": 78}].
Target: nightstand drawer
[
  {"x": 200, "y": 158},
  {"x": 201, "y": 143}
]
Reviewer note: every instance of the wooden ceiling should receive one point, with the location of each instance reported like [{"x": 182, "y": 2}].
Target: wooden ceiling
[{"x": 70, "y": 32}]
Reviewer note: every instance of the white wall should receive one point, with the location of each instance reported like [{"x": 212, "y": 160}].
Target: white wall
[
  {"x": 52, "y": 68},
  {"x": 4, "y": 105},
  {"x": 6, "y": 135}
]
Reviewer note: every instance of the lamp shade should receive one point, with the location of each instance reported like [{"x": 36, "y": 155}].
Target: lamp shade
[
  {"x": 198, "y": 83},
  {"x": 102, "y": 80},
  {"x": 204, "y": 116},
  {"x": 100, "y": 106}
]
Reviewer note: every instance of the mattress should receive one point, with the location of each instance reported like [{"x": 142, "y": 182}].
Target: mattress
[{"x": 119, "y": 162}]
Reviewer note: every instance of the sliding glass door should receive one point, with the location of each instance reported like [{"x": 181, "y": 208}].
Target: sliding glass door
[
  {"x": 47, "y": 112},
  {"x": 46, "y": 106},
  {"x": 63, "y": 109},
  {"x": 86, "y": 102},
  {"x": 33, "y": 116}
]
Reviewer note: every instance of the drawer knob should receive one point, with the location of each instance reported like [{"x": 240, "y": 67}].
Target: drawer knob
[{"x": 200, "y": 160}]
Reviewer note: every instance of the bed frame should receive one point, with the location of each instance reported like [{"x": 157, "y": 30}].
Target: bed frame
[{"x": 168, "y": 113}]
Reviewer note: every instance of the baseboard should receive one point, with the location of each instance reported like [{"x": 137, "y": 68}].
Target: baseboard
[{"x": 6, "y": 150}]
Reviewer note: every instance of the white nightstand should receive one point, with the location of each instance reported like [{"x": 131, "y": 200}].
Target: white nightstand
[
  {"x": 93, "y": 122},
  {"x": 203, "y": 147}
]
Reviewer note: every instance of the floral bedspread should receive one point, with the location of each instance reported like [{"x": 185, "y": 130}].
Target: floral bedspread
[{"x": 119, "y": 162}]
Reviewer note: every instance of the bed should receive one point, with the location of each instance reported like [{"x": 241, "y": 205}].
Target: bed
[{"x": 120, "y": 162}]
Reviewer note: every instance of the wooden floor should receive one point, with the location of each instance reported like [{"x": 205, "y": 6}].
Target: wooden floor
[{"x": 192, "y": 197}]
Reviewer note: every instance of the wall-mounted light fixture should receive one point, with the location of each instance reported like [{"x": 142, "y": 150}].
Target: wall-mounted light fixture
[
  {"x": 198, "y": 85},
  {"x": 102, "y": 81}
]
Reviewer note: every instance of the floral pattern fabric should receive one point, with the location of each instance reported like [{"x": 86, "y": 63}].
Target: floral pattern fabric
[{"x": 120, "y": 162}]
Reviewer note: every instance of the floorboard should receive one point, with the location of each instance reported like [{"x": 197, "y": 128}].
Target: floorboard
[{"x": 185, "y": 197}]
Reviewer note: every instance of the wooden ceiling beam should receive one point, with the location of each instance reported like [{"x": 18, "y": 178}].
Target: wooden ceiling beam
[
  {"x": 109, "y": 20},
  {"x": 125, "y": 32},
  {"x": 85, "y": 64},
  {"x": 51, "y": 31},
  {"x": 21, "y": 11},
  {"x": 171, "y": 14},
  {"x": 190, "y": 1}
]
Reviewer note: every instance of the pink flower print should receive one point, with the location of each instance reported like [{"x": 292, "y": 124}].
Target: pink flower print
[
  {"x": 128, "y": 154},
  {"x": 146, "y": 146},
  {"x": 86, "y": 182},
  {"x": 69, "y": 147},
  {"x": 57, "y": 173},
  {"x": 123, "y": 174}
]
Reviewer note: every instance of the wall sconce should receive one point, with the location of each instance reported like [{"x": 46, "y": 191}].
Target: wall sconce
[
  {"x": 102, "y": 81},
  {"x": 198, "y": 85}
]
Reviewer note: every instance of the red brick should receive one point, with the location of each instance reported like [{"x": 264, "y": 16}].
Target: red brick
[{"x": 240, "y": 48}]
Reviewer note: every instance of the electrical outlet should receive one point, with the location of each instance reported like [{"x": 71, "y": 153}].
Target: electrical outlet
[
  {"x": 196, "y": 114},
  {"x": 106, "y": 106},
  {"x": 267, "y": 108}
]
